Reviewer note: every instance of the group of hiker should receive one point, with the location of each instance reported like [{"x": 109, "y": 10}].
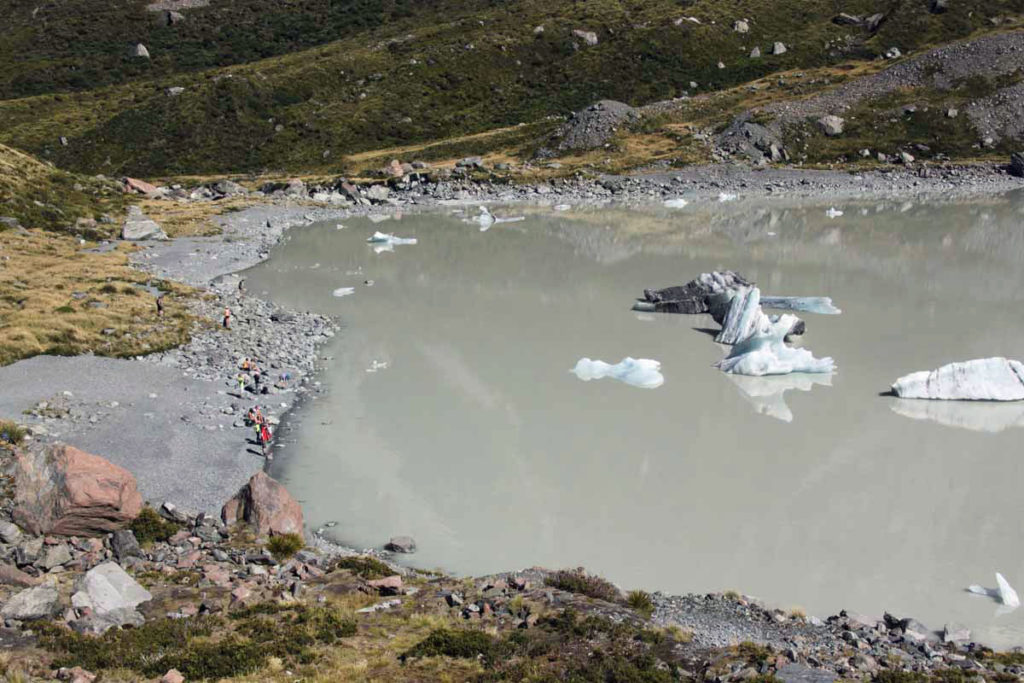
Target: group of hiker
[
  {"x": 260, "y": 425},
  {"x": 249, "y": 368}
]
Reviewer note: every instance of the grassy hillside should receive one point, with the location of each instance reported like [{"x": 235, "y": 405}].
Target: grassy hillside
[{"x": 446, "y": 71}]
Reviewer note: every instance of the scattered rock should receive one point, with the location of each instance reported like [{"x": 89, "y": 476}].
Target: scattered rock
[
  {"x": 54, "y": 556},
  {"x": 124, "y": 544},
  {"x": 12, "y": 576},
  {"x": 109, "y": 588},
  {"x": 9, "y": 533},
  {"x": 172, "y": 676},
  {"x": 41, "y": 602},
  {"x": 139, "y": 226},
  {"x": 741, "y": 26},
  {"x": 389, "y": 585},
  {"x": 778, "y": 48},
  {"x": 831, "y": 125},
  {"x": 140, "y": 51},
  {"x": 265, "y": 504},
  {"x": 755, "y": 53},
  {"x": 401, "y": 544},
  {"x": 588, "y": 37},
  {"x": 62, "y": 490}
]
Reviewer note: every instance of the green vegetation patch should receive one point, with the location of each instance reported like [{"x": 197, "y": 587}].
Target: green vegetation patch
[
  {"x": 149, "y": 527},
  {"x": 284, "y": 546},
  {"x": 364, "y": 566},
  {"x": 578, "y": 581},
  {"x": 11, "y": 432}
]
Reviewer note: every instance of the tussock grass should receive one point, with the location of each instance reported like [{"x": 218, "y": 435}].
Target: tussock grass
[
  {"x": 284, "y": 546},
  {"x": 57, "y": 298},
  {"x": 578, "y": 581},
  {"x": 11, "y": 432}
]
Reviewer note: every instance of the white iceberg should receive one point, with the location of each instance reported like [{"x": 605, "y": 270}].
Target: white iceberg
[
  {"x": 726, "y": 197},
  {"x": 982, "y": 379},
  {"x": 766, "y": 353},
  {"x": 343, "y": 291},
  {"x": 1003, "y": 593},
  {"x": 676, "y": 203},
  {"x": 638, "y": 372},
  {"x": 390, "y": 240},
  {"x": 486, "y": 219},
  {"x": 562, "y": 207},
  {"x": 806, "y": 304},
  {"x": 377, "y": 365},
  {"x": 744, "y": 316},
  {"x": 833, "y": 212},
  {"x": 767, "y": 394}
]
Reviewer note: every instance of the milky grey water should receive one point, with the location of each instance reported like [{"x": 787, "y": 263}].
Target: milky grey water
[{"x": 452, "y": 416}]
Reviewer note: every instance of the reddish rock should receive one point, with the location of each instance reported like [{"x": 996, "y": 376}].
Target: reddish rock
[
  {"x": 241, "y": 594},
  {"x": 172, "y": 676},
  {"x": 389, "y": 585},
  {"x": 189, "y": 559},
  {"x": 140, "y": 186},
  {"x": 266, "y": 505},
  {"x": 12, "y": 576},
  {"x": 75, "y": 675},
  {"x": 62, "y": 490},
  {"x": 394, "y": 169},
  {"x": 217, "y": 575}
]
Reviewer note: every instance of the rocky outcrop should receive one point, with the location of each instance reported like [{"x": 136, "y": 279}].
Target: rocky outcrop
[
  {"x": 31, "y": 604},
  {"x": 594, "y": 126},
  {"x": 62, "y": 490},
  {"x": 831, "y": 125},
  {"x": 139, "y": 226},
  {"x": 266, "y": 505}
]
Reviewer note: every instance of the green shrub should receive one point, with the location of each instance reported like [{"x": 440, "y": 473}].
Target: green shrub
[
  {"x": 364, "y": 566},
  {"x": 64, "y": 309},
  {"x": 457, "y": 643},
  {"x": 578, "y": 581},
  {"x": 149, "y": 527},
  {"x": 12, "y": 432},
  {"x": 641, "y": 602},
  {"x": 284, "y": 546},
  {"x": 109, "y": 288}
]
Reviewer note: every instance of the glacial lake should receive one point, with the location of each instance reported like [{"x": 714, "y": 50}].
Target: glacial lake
[{"x": 450, "y": 413}]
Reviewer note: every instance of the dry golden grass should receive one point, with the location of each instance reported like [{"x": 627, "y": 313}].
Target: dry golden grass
[
  {"x": 191, "y": 219},
  {"x": 58, "y": 298}
]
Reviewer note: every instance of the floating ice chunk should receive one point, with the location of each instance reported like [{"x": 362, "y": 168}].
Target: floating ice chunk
[
  {"x": 343, "y": 291},
  {"x": 486, "y": 219},
  {"x": 389, "y": 239},
  {"x": 726, "y": 197},
  {"x": 339, "y": 226},
  {"x": 676, "y": 203},
  {"x": 638, "y": 372},
  {"x": 807, "y": 304},
  {"x": 744, "y": 318},
  {"x": 977, "y": 416},
  {"x": 767, "y": 394},
  {"x": 562, "y": 207},
  {"x": 377, "y": 365},
  {"x": 833, "y": 212},
  {"x": 983, "y": 379},
  {"x": 1002, "y": 593},
  {"x": 766, "y": 353}
]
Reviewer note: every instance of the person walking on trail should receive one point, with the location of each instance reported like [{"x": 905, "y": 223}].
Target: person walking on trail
[
  {"x": 241, "y": 383},
  {"x": 265, "y": 437},
  {"x": 227, "y": 318},
  {"x": 160, "y": 306},
  {"x": 255, "y": 370},
  {"x": 241, "y": 286}
]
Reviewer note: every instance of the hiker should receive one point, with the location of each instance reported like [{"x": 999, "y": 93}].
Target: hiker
[
  {"x": 241, "y": 286},
  {"x": 265, "y": 437},
  {"x": 241, "y": 383},
  {"x": 244, "y": 365},
  {"x": 259, "y": 415},
  {"x": 255, "y": 369},
  {"x": 160, "y": 306},
  {"x": 227, "y": 318},
  {"x": 251, "y": 415}
]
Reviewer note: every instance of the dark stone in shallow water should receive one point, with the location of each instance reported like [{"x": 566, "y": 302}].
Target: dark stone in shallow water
[{"x": 691, "y": 298}]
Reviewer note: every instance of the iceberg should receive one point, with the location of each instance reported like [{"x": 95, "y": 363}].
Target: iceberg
[
  {"x": 740, "y": 315},
  {"x": 1003, "y": 593},
  {"x": 726, "y": 197},
  {"x": 343, "y": 291},
  {"x": 833, "y": 212},
  {"x": 638, "y": 372},
  {"x": 390, "y": 240},
  {"x": 976, "y": 416},
  {"x": 766, "y": 353},
  {"x": 486, "y": 219},
  {"x": 562, "y": 207},
  {"x": 767, "y": 394},
  {"x": 675, "y": 203},
  {"x": 982, "y": 379},
  {"x": 806, "y": 304},
  {"x": 693, "y": 296}
]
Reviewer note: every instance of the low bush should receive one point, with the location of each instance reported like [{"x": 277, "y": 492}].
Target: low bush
[
  {"x": 578, "y": 581},
  {"x": 364, "y": 566},
  {"x": 149, "y": 527},
  {"x": 641, "y": 602},
  {"x": 284, "y": 546},
  {"x": 12, "y": 432}
]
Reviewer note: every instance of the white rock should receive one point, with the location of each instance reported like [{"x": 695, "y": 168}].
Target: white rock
[
  {"x": 983, "y": 379},
  {"x": 109, "y": 587}
]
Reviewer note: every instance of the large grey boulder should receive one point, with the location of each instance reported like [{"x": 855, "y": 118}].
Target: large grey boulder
[
  {"x": 139, "y": 226},
  {"x": 778, "y": 48},
  {"x": 107, "y": 587},
  {"x": 41, "y": 602},
  {"x": 54, "y": 556},
  {"x": 124, "y": 544},
  {"x": 98, "y": 623},
  {"x": 9, "y": 533},
  {"x": 378, "y": 193},
  {"x": 588, "y": 37},
  {"x": 831, "y": 125}
]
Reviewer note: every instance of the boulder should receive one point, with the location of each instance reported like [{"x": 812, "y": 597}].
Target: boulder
[
  {"x": 741, "y": 26},
  {"x": 755, "y": 53},
  {"x": 9, "y": 533},
  {"x": 588, "y": 37},
  {"x": 874, "y": 22},
  {"x": 295, "y": 188},
  {"x": 389, "y": 585},
  {"x": 140, "y": 186},
  {"x": 140, "y": 51},
  {"x": 12, "y": 576},
  {"x": 265, "y": 504},
  {"x": 401, "y": 544},
  {"x": 62, "y": 490},
  {"x": 1017, "y": 164},
  {"x": 778, "y": 48},
  {"x": 227, "y": 188},
  {"x": 54, "y": 556},
  {"x": 139, "y": 226},
  {"x": 98, "y": 623},
  {"x": 378, "y": 193},
  {"x": 844, "y": 19},
  {"x": 41, "y": 602},
  {"x": 172, "y": 676},
  {"x": 107, "y": 587},
  {"x": 831, "y": 125},
  {"x": 124, "y": 544}
]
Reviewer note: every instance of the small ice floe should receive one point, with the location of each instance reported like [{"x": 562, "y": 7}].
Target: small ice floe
[
  {"x": 807, "y": 304},
  {"x": 380, "y": 606},
  {"x": 343, "y": 291},
  {"x": 562, "y": 207},
  {"x": 726, "y": 197},
  {"x": 339, "y": 226},
  {"x": 767, "y": 394},
  {"x": 833, "y": 212},
  {"x": 1003, "y": 593},
  {"x": 675, "y": 203},
  {"x": 982, "y": 379},
  {"x": 744, "y": 317},
  {"x": 766, "y": 353},
  {"x": 637, "y": 372},
  {"x": 486, "y": 219},
  {"x": 314, "y": 266},
  {"x": 377, "y": 365},
  {"x": 390, "y": 240}
]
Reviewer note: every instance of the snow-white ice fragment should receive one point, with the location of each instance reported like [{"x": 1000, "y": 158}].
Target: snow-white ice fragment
[
  {"x": 638, "y": 372},
  {"x": 806, "y": 304},
  {"x": 343, "y": 291},
  {"x": 982, "y": 379},
  {"x": 390, "y": 240},
  {"x": 766, "y": 353},
  {"x": 833, "y": 212},
  {"x": 1002, "y": 593},
  {"x": 726, "y": 197},
  {"x": 676, "y": 203}
]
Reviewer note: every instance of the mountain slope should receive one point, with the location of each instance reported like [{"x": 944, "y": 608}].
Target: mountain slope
[{"x": 456, "y": 71}]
